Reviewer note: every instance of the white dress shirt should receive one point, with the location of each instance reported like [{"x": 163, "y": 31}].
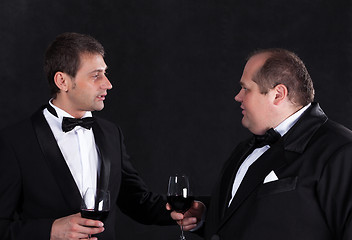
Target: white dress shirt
[
  {"x": 282, "y": 128},
  {"x": 78, "y": 149}
]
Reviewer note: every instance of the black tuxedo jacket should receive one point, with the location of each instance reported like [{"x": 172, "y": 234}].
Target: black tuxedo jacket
[
  {"x": 311, "y": 200},
  {"x": 36, "y": 186}
]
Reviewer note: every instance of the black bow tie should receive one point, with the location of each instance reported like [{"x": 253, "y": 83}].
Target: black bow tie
[
  {"x": 70, "y": 123},
  {"x": 269, "y": 138}
]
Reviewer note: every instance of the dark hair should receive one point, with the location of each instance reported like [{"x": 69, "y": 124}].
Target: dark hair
[
  {"x": 285, "y": 67},
  {"x": 64, "y": 55}
]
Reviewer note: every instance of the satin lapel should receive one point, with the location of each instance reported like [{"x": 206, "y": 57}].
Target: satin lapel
[
  {"x": 272, "y": 159},
  {"x": 229, "y": 176},
  {"x": 56, "y": 161},
  {"x": 100, "y": 141}
]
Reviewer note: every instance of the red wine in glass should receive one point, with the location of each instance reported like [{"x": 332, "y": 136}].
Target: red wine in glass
[
  {"x": 95, "y": 214},
  {"x": 95, "y": 204},
  {"x": 180, "y": 203}
]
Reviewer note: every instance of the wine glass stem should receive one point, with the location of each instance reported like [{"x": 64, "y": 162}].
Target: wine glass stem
[{"x": 182, "y": 237}]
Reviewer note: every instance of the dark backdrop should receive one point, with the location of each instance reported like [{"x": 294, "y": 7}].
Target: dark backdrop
[{"x": 175, "y": 67}]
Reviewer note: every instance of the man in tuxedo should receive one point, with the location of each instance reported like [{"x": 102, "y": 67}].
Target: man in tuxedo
[
  {"x": 48, "y": 161},
  {"x": 292, "y": 179}
]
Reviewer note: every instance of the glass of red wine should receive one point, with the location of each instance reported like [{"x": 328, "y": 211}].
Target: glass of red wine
[
  {"x": 95, "y": 204},
  {"x": 179, "y": 196}
]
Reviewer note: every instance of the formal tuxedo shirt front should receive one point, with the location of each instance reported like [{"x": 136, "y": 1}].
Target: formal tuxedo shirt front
[
  {"x": 311, "y": 199},
  {"x": 77, "y": 147},
  {"x": 37, "y": 186}
]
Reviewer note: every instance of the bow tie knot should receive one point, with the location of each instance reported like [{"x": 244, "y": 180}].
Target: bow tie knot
[
  {"x": 70, "y": 123},
  {"x": 269, "y": 138}
]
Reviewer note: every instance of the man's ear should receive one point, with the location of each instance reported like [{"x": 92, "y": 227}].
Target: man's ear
[
  {"x": 281, "y": 93},
  {"x": 61, "y": 81}
]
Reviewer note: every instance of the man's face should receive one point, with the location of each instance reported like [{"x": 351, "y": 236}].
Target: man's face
[
  {"x": 87, "y": 90},
  {"x": 255, "y": 105}
]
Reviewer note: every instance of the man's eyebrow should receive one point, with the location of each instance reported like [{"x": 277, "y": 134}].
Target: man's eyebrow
[{"x": 99, "y": 70}]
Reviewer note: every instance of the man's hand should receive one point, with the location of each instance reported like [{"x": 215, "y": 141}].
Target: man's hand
[
  {"x": 191, "y": 218},
  {"x": 75, "y": 227}
]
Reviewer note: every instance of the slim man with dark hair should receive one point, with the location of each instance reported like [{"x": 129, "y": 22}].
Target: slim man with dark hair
[
  {"x": 48, "y": 161},
  {"x": 292, "y": 179}
]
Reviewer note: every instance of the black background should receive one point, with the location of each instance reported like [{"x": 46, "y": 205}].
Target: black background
[{"x": 175, "y": 67}]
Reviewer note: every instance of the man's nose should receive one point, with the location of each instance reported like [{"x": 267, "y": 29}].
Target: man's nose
[
  {"x": 106, "y": 84},
  {"x": 238, "y": 97}
]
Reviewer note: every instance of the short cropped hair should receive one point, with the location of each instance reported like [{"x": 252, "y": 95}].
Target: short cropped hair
[
  {"x": 64, "y": 55},
  {"x": 285, "y": 67}
]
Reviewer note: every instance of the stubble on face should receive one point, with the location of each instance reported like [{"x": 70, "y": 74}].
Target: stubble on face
[{"x": 89, "y": 86}]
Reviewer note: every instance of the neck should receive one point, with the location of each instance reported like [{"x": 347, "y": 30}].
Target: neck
[
  {"x": 285, "y": 113},
  {"x": 68, "y": 108}
]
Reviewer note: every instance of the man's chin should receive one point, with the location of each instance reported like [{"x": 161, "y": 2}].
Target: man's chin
[
  {"x": 98, "y": 108},
  {"x": 244, "y": 123}
]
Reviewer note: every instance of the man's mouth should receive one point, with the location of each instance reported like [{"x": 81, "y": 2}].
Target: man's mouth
[
  {"x": 243, "y": 111},
  {"x": 101, "y": 97}
]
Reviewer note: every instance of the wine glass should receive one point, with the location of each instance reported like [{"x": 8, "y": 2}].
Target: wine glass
[
  {"x": 179, "y": 196},
  {"x": 95, "y": 204}
]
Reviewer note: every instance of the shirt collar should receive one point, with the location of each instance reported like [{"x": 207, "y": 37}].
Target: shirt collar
[
  {"x": 61, "y": 113},
  {"x": 286, "y": 125}
]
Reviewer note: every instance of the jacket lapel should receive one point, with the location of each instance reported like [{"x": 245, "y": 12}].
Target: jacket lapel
[
  {"x": 100, "y": 140},
  {"x": 271, "y": 159},
  {"x": 282, "y": 153},
  {"x": 56, "y": 161},
  {"x": 298, "y": 137},
  {"x": 229, "y": 176}
]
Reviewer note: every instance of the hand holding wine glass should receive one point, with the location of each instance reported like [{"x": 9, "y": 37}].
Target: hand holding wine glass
[
  {"x": 72, "y": 226},
  {"x": 190, "y": 219},
  {"x": 179, "y": 196},
  {"x": 95, "y": 204}
]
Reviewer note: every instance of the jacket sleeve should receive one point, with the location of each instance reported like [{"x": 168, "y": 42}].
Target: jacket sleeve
[
  {"x": 136, "y": 200},
  {"x": 12, "y": 226},
  {"x": 10, "y": 188},
  {"x": 335, "y": 192}
]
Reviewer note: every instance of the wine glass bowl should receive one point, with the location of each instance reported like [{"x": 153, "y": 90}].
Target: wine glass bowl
[
  {"x": 95, "y": 204},
  {"x": 179, "y": 196}
]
